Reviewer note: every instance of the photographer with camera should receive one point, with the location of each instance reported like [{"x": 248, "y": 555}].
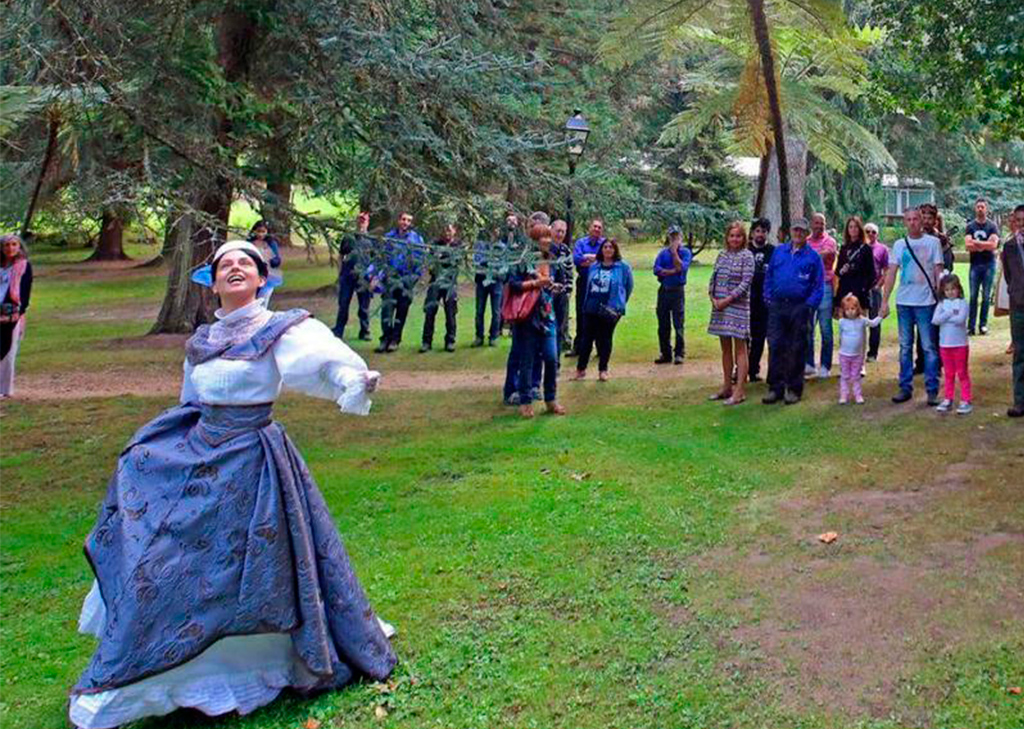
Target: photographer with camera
[{"x": 15, "y": 292}]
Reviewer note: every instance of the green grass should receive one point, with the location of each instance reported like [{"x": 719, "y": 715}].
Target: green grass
[{"x": 531, "y": 567}]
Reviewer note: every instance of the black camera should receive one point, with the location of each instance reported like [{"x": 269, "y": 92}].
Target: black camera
[{"x": 8, "y": 309}]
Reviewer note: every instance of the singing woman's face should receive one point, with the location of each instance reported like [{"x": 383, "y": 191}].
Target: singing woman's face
[{"x": 238, "y": 278}]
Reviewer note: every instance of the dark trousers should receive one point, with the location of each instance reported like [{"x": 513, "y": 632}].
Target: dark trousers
[
  {"x": 788, "y": 323},
  {"x": 580, "y": 294},
  {"x": 875, "y": 333},
  {"x": 512, "y": 368},
  {"x": 393, "y": 313},
  {"x": 758, "y": 334},
  {"x": 484, "y": 293},
  {"x": 982, "y": 277},
  {"x": 561, "y": 306},
  {"x": 597, "y": 330},
  {"x": 347, "y": 286},
  {"x": 1017, "y": 334},
  {"x": 671, "y": 311},
  {"x": 536, "y": 345},
  {"x": 436, "y": 298}
]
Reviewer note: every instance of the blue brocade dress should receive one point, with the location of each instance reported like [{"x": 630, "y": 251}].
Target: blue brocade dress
[{"x": 221, "y": 578}]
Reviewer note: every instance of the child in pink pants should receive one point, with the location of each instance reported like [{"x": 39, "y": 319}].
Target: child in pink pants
[
  {"x": 853, "y": 326},
  {"x": 951, "y": 318}
]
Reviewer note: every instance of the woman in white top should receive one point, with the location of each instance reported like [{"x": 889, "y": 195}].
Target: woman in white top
[{"x": 220, "y": 577}]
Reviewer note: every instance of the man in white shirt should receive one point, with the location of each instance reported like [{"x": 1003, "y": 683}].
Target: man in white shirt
[{"x": 918, "y": 259}]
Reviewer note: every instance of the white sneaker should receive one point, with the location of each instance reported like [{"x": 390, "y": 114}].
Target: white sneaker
[
  {"x": 964, "y": 409},
  {"x": 824, "y": 373},
  {"x": 387, "y": 628},
  {"x": 842, "y": 400},
  {"x": 945, "y": 406},
  {"x": 860, "y": 400},
  {"x": 810, "y": 371}
]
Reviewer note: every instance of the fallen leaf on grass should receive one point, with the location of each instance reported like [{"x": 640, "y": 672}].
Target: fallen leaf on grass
[
  {"x": 828, "y": 537},
  {"x": 1015, "y": 690},
  {"x": 311, "y": 724},
  {"x": 380, "y": 712},
  {"x": 580, "y": 476}
]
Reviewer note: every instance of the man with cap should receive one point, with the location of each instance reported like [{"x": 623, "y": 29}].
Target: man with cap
[
  {"x": 670, "y": 268},
  {"x": 762, "y": 250},
  {"x": 793, "y": 288}
]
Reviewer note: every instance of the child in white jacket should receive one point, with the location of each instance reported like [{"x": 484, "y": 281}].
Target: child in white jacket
[
  {"x": 853, "y": 326},
  {"x": 951, "y": 318}
]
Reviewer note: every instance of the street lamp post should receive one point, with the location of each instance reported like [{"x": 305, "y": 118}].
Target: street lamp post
[{"x": 576, "y": 132}]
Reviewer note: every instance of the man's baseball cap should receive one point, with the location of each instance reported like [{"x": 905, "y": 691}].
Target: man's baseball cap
[{"x": 800, "y": 223}]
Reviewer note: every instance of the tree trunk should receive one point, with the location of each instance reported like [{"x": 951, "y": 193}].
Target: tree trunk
[
  {"x": 771, "y": 81},
  {"x": 796, "y": 162},
  {"x": 111, "y": 242},
  {"x": 275, "y": 210},
  {"x": 51, "y": 148},
  {"x": 762, "y": 182}
]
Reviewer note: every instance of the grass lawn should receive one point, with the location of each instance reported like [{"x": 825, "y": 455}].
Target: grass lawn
[{"x": 650, "y": 560}]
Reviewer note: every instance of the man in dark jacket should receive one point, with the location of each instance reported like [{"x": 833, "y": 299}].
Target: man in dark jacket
[
  {"x": 762, "y": 250},
  {"x": 443, "y": 289},
  {"x": 352, "y": 279},
  {"x": 561, "y": 234},
  {"x": 1013, "y": 272}
]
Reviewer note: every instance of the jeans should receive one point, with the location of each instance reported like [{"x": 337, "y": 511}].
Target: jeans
[
  {"x": 347, "y": 286},
  {"x": 917, "y": 318},
  {"x": 436, "y": 297},
  {"x": 875, "y": 333},
  {"x": 787, "y": 341},
  {"x": 671, "y": 312},
  {"x": 954, "y": 362},
  {"x": 393, "y": 313},
  {"x": 823, "y": 315},
  {"x": 758, "y": 334},
  {"x": 1017, "y": 333},
  {"x": 484, "y": 292},
  {"x": 982, "y": 277},
  {"x": 537, "y": 346},
  {"x": 597, "y": 330},
  {"x": 512, "y": 368}
]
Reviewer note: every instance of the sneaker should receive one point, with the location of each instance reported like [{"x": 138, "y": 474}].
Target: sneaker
[
  {"x": 791, "y": 398},
  {"x": 824, "y": 373},
  {"x": 944, "y": 407},
  {"x": 492, "y": 342},
  {"x": 965, "y": 409},
  {"x": 872, "y": 358},
  {"x": 477, "y": 342},
  {"x": 810, "y": 371},
  {"x": 424, "y": 348},
  {"x": 971, "y": 333},
  {"x": 393, "y": 347},
  {"x": 449, "y": 347},
  {"x": 678, "y": 359},
  {"x": 1017, "y": 411},
  {"x": 842, "y": 400},
  {"x": 771, "y": 398},
  {"x": 933, "y": 399},
  {"x": 859, "y": 400},
  {"x": 364, "y": 336},
  {"x": 863, "y": 372},
  {"x": 983, "y": 331},
  {"x": 381, "y": 348},
  {"x": 512, "y": 400},
  {"x": 902, "y": 396},
  {"x": 663, "y": 360}
]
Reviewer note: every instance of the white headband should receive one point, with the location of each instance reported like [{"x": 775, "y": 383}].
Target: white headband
[{"x": 238, "y": 245}]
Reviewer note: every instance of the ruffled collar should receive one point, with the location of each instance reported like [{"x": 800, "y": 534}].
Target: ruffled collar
[{"x": 239, "y": 325}]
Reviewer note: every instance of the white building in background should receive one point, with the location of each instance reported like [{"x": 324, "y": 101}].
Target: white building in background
[{"x": 905, "y": 192}]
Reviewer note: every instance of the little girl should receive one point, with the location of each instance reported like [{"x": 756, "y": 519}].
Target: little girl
[
  {"x": 951, "y": 318},
  {"x": 852, "y": 339}
]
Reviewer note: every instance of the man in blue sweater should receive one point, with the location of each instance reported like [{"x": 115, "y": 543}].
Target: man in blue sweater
[
  {"x": 670, "y": 267},
  {"x": 405, "y": 255},
  {"x": 584, "y": 253},
  {"x": 793, "y": 287}
]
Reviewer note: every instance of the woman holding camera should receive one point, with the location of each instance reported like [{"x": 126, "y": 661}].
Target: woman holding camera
[
  {"x": 220, "y": 576},
  {"x": 609, "y": 286},
  {"x": 15, "y": 292}
]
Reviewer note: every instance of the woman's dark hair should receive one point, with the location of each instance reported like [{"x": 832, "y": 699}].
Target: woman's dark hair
[
  {"x": 614, "y": 244},
  {"x": 860, "y": 226},
  {"x": 950, "y": 278},
  {"x": 261, "y": 265},
  {"x": 259, "y": 224}
]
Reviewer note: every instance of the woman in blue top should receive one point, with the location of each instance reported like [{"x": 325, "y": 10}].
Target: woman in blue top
[{"x": 608, "y": 288}]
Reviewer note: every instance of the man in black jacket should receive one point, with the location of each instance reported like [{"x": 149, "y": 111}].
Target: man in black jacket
[
  {"x": 762, "y": 250},
  {"x": 352, "y": 279}
]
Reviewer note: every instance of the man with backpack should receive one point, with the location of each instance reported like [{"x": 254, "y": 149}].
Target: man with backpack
[{"x": 917, "y": 257}]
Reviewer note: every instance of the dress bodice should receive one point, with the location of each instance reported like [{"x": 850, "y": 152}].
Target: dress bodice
[{"x": 290, "y": 350}]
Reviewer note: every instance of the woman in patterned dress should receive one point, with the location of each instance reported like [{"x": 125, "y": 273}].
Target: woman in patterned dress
[{"x": 730, "y": 311}]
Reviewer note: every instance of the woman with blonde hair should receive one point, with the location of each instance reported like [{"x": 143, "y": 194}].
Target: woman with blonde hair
[
  {"x": 729, "y": 291},
  {"x": 15, "y": 292}
]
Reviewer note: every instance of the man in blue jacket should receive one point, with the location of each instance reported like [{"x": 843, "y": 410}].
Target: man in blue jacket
[
  {"x": 670, "y": 268},
  {"x": 584, "y": 253},
  {"x": 405, "y": 254},
  {"x": 793, "y": 287}
]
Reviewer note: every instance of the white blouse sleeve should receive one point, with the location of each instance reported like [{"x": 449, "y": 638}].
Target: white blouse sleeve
[
  {"x": 188, "y": 390},
  {"x": 312, "y": 360}
]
